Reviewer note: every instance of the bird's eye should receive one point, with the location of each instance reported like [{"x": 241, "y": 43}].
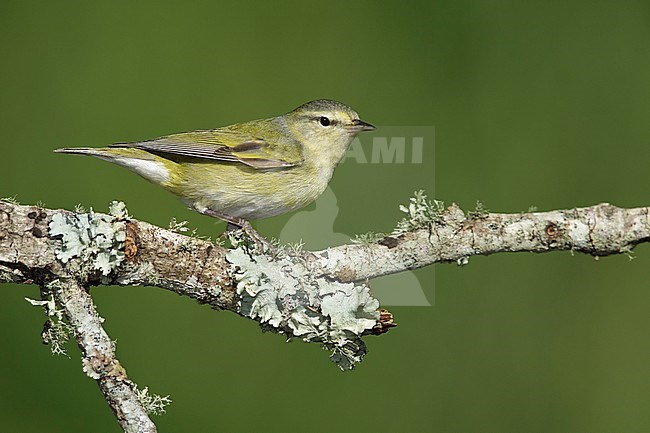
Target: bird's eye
[{"x": 324, "y": 121}]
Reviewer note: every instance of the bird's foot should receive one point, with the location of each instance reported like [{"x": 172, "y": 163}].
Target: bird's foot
[
  {"x": 261, "y": 243},
  {"x": 235, "y": 223}
]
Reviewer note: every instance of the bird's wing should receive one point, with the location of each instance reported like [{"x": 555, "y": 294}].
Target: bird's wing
[{"x": 228, "y": 145}]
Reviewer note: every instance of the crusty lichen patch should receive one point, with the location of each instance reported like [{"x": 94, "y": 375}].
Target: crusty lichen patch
[
  {"x": 283, "y": 294},
  {"x": 97, "y": 240}
]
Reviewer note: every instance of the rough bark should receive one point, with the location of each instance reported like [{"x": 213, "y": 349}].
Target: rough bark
[{"x": 66, "y": 253}]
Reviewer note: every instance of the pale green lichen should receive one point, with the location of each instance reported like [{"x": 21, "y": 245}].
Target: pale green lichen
[
  {"x": 11, "y": 200},
  {"x": 479, "y": 212},
  {"x": 420, "y": 212},
  {"x": 152, "y": 403},
  {"x": 369, "y": 238},
  {"x": 182, "y": 228},
  {"x": 283, "y": 294},
  {"x": 97, "y": 240},
  {"x": 293, "y": 248},
  {"x": 56, "y": 332},
  {"x": 178, "y": 226},
  {"x": 118, "y": 210},
  {"x": 629, "y": 253}
]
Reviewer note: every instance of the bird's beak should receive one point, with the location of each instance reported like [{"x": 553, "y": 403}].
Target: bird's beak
[{"x": 359, "y": 125}]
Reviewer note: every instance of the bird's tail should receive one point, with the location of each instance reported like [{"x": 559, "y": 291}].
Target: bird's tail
[
  {"x": 79, "y": 150},
  {"x": 147, "y": 165},
  {"x": 109, "y": 153}
]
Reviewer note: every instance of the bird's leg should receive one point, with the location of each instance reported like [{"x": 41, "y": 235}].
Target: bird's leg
[{"x": 235, "y": 223}]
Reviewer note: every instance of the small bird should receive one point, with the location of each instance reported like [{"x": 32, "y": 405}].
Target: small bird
[{"x": 249, "y": 170}]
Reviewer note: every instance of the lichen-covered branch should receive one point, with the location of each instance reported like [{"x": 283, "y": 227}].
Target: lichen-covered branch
[
  {"x": 449, "y": 235},
  {"x": 311, "y": 296},
  {"x": 282, "y": 292},
  {"x": 99, "y": 361},
  {"x": 138, "y": 253}
]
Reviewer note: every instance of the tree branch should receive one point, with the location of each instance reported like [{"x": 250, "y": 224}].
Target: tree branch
[
  {"x": 600, "y": 230},
  {"x": 311, "y": 296},
  {"x": 66, "y": 252},
  {"x": 99, "y": 361}
]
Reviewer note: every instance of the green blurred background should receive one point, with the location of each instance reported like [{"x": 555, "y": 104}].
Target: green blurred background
[{"x": 540, "y": 104}]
